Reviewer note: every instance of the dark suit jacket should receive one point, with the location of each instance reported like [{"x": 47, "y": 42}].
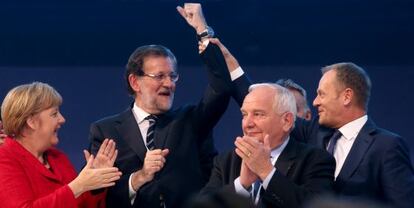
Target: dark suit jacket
[
  {"x": 183, "y": 131},
  {"x": 378, "y": 166},
  {"x": 302, "y": 171}
]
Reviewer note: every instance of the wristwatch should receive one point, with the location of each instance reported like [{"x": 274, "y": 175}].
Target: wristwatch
[{"x": 207, "y": 33}]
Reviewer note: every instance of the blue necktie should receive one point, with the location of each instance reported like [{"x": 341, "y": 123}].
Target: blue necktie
[
  {"x": 332, "y": 141},
  {"x": 150, "y": 133},
  {"x": 256, "y": 189}
]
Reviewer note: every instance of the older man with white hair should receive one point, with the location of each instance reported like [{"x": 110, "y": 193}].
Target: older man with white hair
[{"x": 267, "y": 165}]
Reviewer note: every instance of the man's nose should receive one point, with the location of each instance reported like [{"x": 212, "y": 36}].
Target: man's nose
[
  {"x": 167, "y": 81},
  {"x": 248, "y": 122},
  {"x": 316, "y": 101}
]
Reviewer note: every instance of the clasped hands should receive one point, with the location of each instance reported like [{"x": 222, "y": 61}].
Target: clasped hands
[{"x": 256, "y": 161}]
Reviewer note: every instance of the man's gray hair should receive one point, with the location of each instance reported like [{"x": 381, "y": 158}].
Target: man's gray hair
[
  {"x": 283, "y": 100},
  {"x": 290, "y": 84}
]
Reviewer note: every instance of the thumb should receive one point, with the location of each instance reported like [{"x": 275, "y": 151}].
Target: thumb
[
  {"x": 266, "y": 141},
  {"x": 89, "y": 162},
  {"x": 165, "y": 152},
  {"x": 86, "y": 154},
  {"x": 181, "y": 11}
]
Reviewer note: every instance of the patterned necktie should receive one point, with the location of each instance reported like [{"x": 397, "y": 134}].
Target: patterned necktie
[
  {"x": 151, "y": 129},
  {"x": 332, "y": 141},
  {"x": 256, "y": 189}
]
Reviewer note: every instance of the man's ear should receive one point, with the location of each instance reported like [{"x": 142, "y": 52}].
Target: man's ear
[
  {"x": 288, "y": 121},
  {"x": 348, "y": 96},
  {"x": 308, "y": 115},
  {"x": 134, "y": 82}
]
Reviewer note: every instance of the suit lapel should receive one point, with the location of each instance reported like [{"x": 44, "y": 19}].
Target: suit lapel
[
  {"x": 128, "y": 130},
  {"x": 161, "y": 130},
  {"x": 361, "y": 145},
  {"x": 286, "y": 162}
]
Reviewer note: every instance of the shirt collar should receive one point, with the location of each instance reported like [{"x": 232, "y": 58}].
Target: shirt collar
[
  {"x": 351, "y": 129},
  {"x": 275, "y": 153},
  {"x": 139, "y": 113}
]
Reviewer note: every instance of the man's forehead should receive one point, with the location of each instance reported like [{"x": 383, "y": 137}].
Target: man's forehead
[{"x": 256, "y": 102}]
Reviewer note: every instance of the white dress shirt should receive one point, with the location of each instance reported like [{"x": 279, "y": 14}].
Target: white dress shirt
[
  {"x": 344, "y": 144},
  {"x": 143, "y": 125}
]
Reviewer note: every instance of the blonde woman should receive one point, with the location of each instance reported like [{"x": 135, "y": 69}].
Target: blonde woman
[{"x": 33, "y": 173}]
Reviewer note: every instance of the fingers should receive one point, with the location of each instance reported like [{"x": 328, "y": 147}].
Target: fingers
[
  {"x": 241, "y": 154},
  {"x": 181, "y": 11},
  {"x": 113, "y": 158},
  {"x": 111, "y": 148},
  {"x": 86, "y": 154},
  {"x": 165, "y": 152},
  {"x": 217, "y": 42},
  {"x": 107, "y": 148},
  {"x": 106, "y": 177},
  {"x": 155, "y": 160},
  {"x": 89, "y": 162},
  {"x": 244, "y": 147},
  {"x": 108, "y": 172},
  {"x": 103, "y": 146},
  {"x": 266, "y": 141}
]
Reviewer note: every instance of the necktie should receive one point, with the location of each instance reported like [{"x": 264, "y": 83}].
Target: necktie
[
  {"x": 256, "y": 191},
  {"x": 332, "y": 141},
  {"x": 150, "y": 133}
]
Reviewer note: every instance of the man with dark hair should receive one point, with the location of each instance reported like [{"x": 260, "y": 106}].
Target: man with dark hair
[
  {"x": 165, "y": 155},
  {"x": 371, "y": 163},
  {"x": 300, "y": 96}
]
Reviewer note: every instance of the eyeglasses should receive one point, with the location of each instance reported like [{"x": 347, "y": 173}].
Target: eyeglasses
[{"x": 160, "y": 77}]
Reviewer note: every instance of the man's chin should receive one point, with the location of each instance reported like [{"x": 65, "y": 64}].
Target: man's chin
[
  {"x": 325, "y": 123},
  {"x": 164, "y": 107}
]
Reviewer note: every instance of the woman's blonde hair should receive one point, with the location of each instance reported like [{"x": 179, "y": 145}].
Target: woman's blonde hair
[{"x": 24, "y": 101}]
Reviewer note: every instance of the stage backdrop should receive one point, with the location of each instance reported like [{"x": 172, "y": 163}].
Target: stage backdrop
[{"x": 91, "y": 93}]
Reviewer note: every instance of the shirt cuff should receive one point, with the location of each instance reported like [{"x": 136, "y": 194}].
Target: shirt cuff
[
  {"x": 132, "y": 193},
  {"x": 236, "y": 73},
  {"x": 268, "y": 178},
  {"x": 240, "y": 189}
]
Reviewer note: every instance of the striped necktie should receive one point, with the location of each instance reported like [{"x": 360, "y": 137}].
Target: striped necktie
[{"x": 151, "y": 130}]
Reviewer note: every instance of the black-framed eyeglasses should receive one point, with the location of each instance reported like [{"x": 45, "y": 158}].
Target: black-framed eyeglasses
[{"x": 160, "y": 77}]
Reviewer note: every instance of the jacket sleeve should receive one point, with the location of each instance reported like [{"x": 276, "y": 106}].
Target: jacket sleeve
[{"x": 397, "y": 175}]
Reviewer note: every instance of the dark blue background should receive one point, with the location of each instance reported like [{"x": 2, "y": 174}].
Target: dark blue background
[{"x": 81, "y": 47}]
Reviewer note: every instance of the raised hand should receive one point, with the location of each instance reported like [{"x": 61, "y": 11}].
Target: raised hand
[
  {"x": 106, "y": 155},
  {"x": 255, "y": 155},
  {"x": 154, "y": 161},
  {"x": 193, "y": 14},
  {"x": 94, "y": 178}
]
